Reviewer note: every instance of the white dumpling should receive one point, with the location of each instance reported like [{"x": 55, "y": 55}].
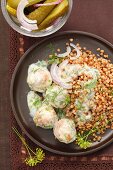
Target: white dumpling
[
  {"x": 39, "y": 78},
  {"x": 65, "y": 131},
  {"x": 34, "y": 102},
  {"x": 57, "y": 96},
  {"x": 45, "y": 117}
]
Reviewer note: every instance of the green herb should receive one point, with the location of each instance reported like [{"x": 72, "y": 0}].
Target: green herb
[
  {"x": 79, "y": 105},
  {"x": 48, "y": 127},
  {"x": 91, "y": 85},
  {"x": 67, "y": 100},
  {"x": 35, "y": 69},
  {"x": 34, "y": 157},
  {"x": 41, "y": 63},
  {"x": 53, "y": 58},
  {"x": 83, "y": 142},
  {"x": 52, "y": 95},
  {"x": 37, "y": 103},
  {"x": 82, "y": 139},
  {"x": 61, "y": 113},
  {"x": 51, "y": 98}
]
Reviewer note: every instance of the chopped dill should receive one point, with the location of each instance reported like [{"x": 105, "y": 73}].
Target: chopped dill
[
  {"x": 53, "y": 58},
  {"x": 60, "y": 112}
]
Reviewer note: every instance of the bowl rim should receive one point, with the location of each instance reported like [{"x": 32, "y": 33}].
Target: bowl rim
[{"x": 33, "y": 34}]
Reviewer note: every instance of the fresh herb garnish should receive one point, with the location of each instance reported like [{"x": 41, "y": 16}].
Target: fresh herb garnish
[
  {"x": 41, "y": 63},
  {"x": 60, "y": 112},
  {"x": 53, "y": 57},
  {"x": 51, "y": 94},
  {"x": 82, "y": 139},
  {"x": 67, "y": 100},
  {"x": 34, "y": 157},
  {"x": 37, "y": 103},
  {"x": 50, "y": 98},
  {"x": 91, "y": 85},
  {"x": 79, "y": 105}
]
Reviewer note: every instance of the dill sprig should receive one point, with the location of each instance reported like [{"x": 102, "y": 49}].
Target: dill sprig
[
  {"x": 61, "y": 113},
  {"x": 82, "y": 139},
  {"x": 34, "y": 157},
  {"x": 53, "y": 58}
]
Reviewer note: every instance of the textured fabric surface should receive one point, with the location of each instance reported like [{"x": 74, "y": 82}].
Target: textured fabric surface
[
  {"x": 4, "y": 96},
  {"x": 90, "y": 16}
]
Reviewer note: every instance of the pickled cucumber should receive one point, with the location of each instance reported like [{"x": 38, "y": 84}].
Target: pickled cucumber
[
  {"x": 32, "y": 2},
  {"x": 42, "y": 12},
  {"x": 11, "y": 10},
  {"x": 57, "y": 12},
  {"x": 14, "y": 3}
]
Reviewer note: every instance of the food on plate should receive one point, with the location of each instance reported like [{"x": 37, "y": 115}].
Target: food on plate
[
  {"x": 45, "y": 117},
  {"x": 34, "y": 102},
  {"x": 57, "y": 12},
  {"x": 36, "y": 15},
  {"x": 57, "y": 96},
  {"x": 79, "y": 93},
  {"x": 39, "y": 78},
  {"x": 65, "y": 131}
]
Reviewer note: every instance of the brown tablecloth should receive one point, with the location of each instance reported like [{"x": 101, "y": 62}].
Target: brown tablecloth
[{"x": 90, "y": 16}]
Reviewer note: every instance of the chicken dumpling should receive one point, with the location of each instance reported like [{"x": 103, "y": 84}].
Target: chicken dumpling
[
  {"x": 34, "y": 102},
  {"x": 65, "y": 131},
  {"x": 39, "y": 78},
  {"x": 57, "y": 96},
  {"x": 45, "y": 117}
]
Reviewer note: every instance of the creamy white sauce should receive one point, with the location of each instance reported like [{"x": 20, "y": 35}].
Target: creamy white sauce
[
  {"x": 57, "y": 96},
  {"x": 34, "y": 102},
  {"x": 68, "y": 71}
]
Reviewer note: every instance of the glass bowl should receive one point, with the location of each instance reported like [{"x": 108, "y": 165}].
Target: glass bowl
[{"x": 13, "y": 22}]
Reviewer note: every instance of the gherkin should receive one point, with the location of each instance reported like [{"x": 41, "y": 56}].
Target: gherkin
[
  {"x": 11, "y": 10},
  {"x": 32, "y": 2},
  {"x": 57, "y": 12},
  {"x": 14, "y": 3},
  {"x": 42, "y": 12}
]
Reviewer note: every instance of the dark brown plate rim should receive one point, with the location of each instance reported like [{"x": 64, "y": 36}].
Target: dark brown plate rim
[{"x": 85, "y": 152}]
